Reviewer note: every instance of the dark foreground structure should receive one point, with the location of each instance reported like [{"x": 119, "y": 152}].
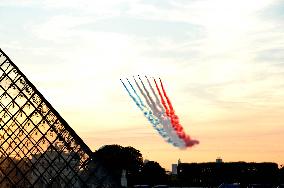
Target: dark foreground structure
[
  {"x": 242, "y": 173},
  {"x": 37, "y": 147}
]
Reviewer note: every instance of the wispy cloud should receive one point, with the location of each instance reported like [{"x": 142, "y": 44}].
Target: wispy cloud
[{"x": 222, "y": 61}]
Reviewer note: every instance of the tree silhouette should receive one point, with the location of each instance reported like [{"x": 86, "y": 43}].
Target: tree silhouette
[
  {"x": 281, "y": 175},
  {"x": 153, "y": 174},
  {"x": 117, "y": 158}
]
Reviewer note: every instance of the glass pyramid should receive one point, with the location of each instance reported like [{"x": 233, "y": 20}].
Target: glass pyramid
[{"x": 37, "y": 147}]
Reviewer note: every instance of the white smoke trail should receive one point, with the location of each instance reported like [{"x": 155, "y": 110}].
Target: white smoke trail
[
  {"x": 149, "y": 114},
  {"x": 164, "y": 119}
]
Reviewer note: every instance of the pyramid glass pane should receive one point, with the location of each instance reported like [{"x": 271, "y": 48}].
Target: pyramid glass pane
[{"x": 37, "y": 147}]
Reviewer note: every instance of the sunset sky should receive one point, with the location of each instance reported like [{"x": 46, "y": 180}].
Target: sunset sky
[{"x": 222, "y": 63}]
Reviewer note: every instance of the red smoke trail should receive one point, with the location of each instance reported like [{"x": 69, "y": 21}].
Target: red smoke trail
[
  {"x": 162, "y": 99},
  {"x": 172, "y": 115},
  {"x": 175, "y": 120},
  {"x": 167, "y": 98}
]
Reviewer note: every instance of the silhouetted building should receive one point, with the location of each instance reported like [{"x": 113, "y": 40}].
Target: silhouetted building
[
  {"x": 13, "y": 170},
  {"x": 219, "y": 160},
  {"x": 214, "y": 174},
  {"x": 46, "y": 173},
  {"x": 174, "y": 169}
]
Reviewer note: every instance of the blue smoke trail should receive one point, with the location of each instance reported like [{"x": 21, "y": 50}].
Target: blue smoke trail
[
  {"x": 147, "y": 113},
  {"x": 150, "y": 116},
  {"x": 141, "y": 102},
  {"x": 133, "y": 98}
]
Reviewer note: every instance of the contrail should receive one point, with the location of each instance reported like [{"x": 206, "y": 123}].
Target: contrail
[
  {"x": 164, "y": 119},
  {"x": 157, "y": 112},
  {"x": 162, "y": 99},
  {"x": 175, "y": 121},
  {"x": 131, "y": 96},
  {"x": 154, "y": 93},
  {"x": 152, "y": 105},
  {"x": 160, "y": 112},
  {"x": 147, "y": 113},
  {"x": 169, "y": 122},
  {"x": 148, "y": 99},
  {"x": 141, "y": 102},
  {"x": 141, "y": 91}
]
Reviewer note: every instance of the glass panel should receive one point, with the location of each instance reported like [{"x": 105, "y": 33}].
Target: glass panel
[{"x": 37, "y": 147}]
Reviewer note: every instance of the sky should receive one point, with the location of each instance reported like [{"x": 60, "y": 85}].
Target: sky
[{"x": 221, "y": 62}]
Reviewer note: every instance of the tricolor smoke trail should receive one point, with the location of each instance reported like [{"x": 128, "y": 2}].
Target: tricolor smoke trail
[
  {"x": 165, "y": 120},
  {"x": 147, "y": 112},
  {"x": 159, "y": 112}
]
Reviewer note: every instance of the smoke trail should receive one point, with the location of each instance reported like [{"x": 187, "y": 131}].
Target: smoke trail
[
  {"x": 147, "y": 113},
  {"x": 167, "y": 98},
  {"x": 174, "y": 118},
  {"x": 143, "y": 94},
  {"x": 161, "y": 116},
  {"x": 162, "y": 99},
  {"x": 175, "y": 121},
  {"x": 157, "y": 112},
  {"x": 141, "y": 91},
  {"x": 148, "y": 100},
  {"x": 156, "y": 97},
  {"x": 148, "y": 95},
  {"x": 131, "y": 96},
  {"x": 141, "y": 102},
  {"x": 154, "y": 108},
  {"x": 165, "y": 120},
  {"x": 168, "y": 112}
]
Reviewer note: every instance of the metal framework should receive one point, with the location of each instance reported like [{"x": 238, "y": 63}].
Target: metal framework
[{"x": 37, "y": 147}]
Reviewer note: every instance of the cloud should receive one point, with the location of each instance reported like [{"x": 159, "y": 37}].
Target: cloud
[
  {"x": 14, "y": 3},
  {"x": 273, "y": 12},
  {"x": 274, "y": 56},
  {"x": 227, "y": 50},
  {"x": 221, "y": 62}
]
